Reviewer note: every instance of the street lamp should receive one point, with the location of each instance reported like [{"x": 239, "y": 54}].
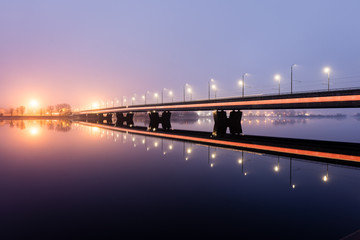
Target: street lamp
[
  {"x": 123, "y": 101},
  {"x": 190, "y": 92},
  {"x": 292, "y": 77},
  {"x": 327, "y": 70},
  {"x": 188, "y": 89},
  {"x": 132, "y": 100},
  {"x": 144, "y": 97},
  {"x": 277, "y": 78},
  {"x": 171, "y": 94},
  {"x": 242, "y": 83},
  {"x": 209, "y": 83},
  {"x": 214, "y": 88},
  {"x": 156, "y": 95}
]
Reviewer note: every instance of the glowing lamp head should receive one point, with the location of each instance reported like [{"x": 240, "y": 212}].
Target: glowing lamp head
[
  {"x": 277, "y": 77},
  {"x": 189, "y": 90},
  {"x": 213, "y": 87},
  {"x": 171, "y": 93},
  {"x": 240, "y": 83},
  {"x": 156, "y": 95},
  {"x": 326, "y": 70},
  {"x": 95, "y": 105}
]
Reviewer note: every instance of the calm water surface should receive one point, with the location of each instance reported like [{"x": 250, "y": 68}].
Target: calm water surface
[{"x": 63, "y": 180}]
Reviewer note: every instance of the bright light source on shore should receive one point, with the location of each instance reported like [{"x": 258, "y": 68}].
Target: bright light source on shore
[
  {"x": 34, "y": 103},
  {"x": 241, "y": 83},
  {"x": 95, "y": 105},
  {"x": 213, "y": 87},
  {"x": 326, "y": 70}
]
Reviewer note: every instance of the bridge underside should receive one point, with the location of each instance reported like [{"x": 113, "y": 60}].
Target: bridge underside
[{"x": 222, "y": 122}]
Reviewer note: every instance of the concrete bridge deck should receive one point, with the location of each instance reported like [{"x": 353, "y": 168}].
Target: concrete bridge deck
[{"x": 323, "y": 99}]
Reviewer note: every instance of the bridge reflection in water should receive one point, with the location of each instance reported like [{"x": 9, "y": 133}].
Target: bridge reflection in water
[{"x": 287, "y": 150}]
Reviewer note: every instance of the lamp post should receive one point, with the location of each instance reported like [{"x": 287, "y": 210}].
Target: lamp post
[
  {"x": 171, "y": 95},
  {"x": 325, "y": 178},
  {"x": 162, "y": 95},
  {"x": 292, "y": 77},
  {"x": 277, "y": 78},
  {"x": 186, "y": 88},
  {"x": 214, "y": 88},
  {"x": 132, "y": 100},
  {"x": 144, "y": 97},
  {"x": 156, "y": 95},
  {"x": 242, "y": 83},
  {"x": 209, "y": 83},
  {"x": 327, "y": 70},
  {"x": 190, "y": 92}
]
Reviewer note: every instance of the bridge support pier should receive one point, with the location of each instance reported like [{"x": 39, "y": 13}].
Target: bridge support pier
[
  {"x": 128, "y": 118},
  {"x": 222, "y": 123},
  {"x": 93, "y": 118},
  {"x": 155, "y": 120}
]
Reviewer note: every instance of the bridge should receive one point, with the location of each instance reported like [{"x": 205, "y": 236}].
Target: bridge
[{"x": 349, "y": 98}]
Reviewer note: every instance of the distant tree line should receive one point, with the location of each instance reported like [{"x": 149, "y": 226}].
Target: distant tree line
[{"x": 63, "y": 109}]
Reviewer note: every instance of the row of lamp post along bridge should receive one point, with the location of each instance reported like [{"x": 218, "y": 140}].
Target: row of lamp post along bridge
[{"x": 211, "y": 86}]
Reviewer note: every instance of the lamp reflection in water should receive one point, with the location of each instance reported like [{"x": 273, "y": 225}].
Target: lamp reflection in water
[
  {"x": 186, "y": 151},
  {"x": 241, "y": 161},
  {"x": 325, "y": 178},
  {"x": 277, "y": 167},
  {"x": 291, "y": 184},
  {"x": 34, "y": 131},
  {"x": 211, "y": 155}
]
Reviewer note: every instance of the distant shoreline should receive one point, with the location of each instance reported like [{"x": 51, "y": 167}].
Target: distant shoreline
[{"x": 36, "y": 117}]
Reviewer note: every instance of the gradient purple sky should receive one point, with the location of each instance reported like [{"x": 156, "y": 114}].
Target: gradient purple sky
[{"x": 81, "y": 52}]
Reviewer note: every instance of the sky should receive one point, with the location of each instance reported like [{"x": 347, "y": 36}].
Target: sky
[{"x": 81, "y": 52}]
